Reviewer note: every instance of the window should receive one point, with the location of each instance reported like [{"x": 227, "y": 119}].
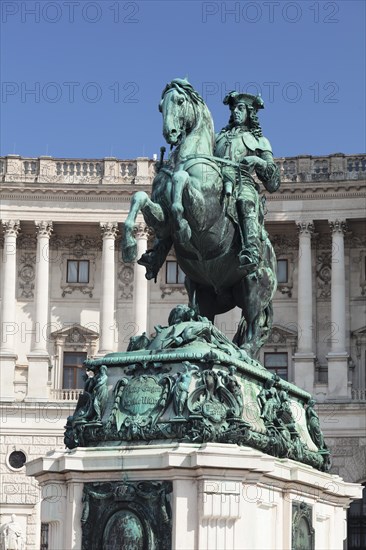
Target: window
[
  {"x": 73, "y": 370},
  {"x": 45, "y": 529},
  {"x": 17, "y": 459},
  {"x": 356, "y": 523},
  {"x": 174, "y": 274},
  {"x": 277, "y": 363},
  {"x": 77, "y": 271},
  {"x": 282, "y": 271}
]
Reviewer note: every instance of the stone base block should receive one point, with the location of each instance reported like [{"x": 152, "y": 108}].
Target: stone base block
[
  {"x": 187, "y": 496},
  {"x": 338, "y": 387},
  {"x": 7, "y": 371},
  {"x": 38, "y": 365},
  {"x": 304, "y": 371}
]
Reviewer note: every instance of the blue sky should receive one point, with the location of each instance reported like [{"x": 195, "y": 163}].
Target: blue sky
[{"x": 84, "y": 78}]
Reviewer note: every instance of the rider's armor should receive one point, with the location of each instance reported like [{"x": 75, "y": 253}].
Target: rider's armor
[{"x": 235, "y": 145}]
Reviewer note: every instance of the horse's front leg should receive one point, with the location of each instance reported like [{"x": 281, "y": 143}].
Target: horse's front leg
[
  {"x": 183, "y": 231},
  {"x": 153, "y": 215}
]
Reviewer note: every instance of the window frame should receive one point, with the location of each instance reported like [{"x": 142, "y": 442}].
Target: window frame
[
  {"x": 178, "y": 271},
  {"x": 75, "y": 368},
  {"x": 285, "y": 288},
  {"x": 78, "y": 271},
  {"x": 275, "y": 370},
  {"x": 287, "y": 270},
  {"x": 68, "y": 288}
]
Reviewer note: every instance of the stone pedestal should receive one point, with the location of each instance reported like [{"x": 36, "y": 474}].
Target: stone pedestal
[{"x": 217, "y": 496}]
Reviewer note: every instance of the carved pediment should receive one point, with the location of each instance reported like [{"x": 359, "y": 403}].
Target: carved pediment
[
  {"x": 359, "y": 334},
  {"x": 282, "y": 335},
  {"x": 75, "y": 335}
]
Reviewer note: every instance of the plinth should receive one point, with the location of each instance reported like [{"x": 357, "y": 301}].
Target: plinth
[{"x": 186, "y": 496}]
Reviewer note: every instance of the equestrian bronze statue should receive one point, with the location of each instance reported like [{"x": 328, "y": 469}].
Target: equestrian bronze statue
[{"x": 206, "y": 202}]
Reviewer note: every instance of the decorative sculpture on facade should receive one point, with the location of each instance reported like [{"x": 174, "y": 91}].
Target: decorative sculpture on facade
[{"x": 11, "y": 535}]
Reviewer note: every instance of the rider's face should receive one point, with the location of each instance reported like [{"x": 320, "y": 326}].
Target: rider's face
[{"x": 239, "y": 114}]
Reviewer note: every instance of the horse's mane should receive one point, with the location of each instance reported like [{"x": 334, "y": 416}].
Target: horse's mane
[{"x": 185, "y": 87}]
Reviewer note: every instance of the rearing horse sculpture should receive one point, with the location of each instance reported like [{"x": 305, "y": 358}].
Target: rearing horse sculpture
[{"x": 188, "y": 208}]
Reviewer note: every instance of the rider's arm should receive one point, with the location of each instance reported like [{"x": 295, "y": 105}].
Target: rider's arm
[{"x": 268, "y": 174}]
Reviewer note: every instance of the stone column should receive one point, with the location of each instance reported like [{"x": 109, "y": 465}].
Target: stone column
[
  {"x": 304, "y": 357},
  {"x": 9, "y": 327},
  {"x": 140, "y": 284},
  {"x": 107, "y": 306},
  {"x": 338, "y": 356},
  {"x": 44, "y": 230},
  {"x": 38, "y": 359}
]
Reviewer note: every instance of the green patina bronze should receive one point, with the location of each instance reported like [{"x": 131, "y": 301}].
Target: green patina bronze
[
  {"x": 205, "y": 201},
  {"x": 125, "y": 514},
  {"x": 303, "y": 532},
  {"x": 188, "y": 382}
]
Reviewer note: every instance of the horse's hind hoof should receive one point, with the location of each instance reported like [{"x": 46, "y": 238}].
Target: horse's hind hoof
[{"x": 183, "y": 235}]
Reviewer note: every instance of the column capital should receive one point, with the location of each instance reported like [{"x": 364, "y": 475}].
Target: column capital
[
  {"x": 109, "y": 229},
  {"x": 11, "y": 227},
  {"x": 305, "y": 228},
  {"x": 338, "y": 226},
  {"x": 141, "y": 231},
  {"x": 43, "y": 228}
]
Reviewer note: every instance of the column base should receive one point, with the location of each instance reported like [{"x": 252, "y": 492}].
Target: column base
[
  {"x": 38, "y": 365},
  {"x": 338, "y": 388},
  {"x": 304, "y": 370},
  {"x": 7, "y": 373}
]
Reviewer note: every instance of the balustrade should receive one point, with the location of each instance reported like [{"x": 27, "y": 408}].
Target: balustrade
[
  {"x": 358, "y": 394},
  {"x": 128, "y": 169},
  {"x": 79, "y": 168},
  {"x": 64, "y": 394},
  {"x": 94, "y": 171}
]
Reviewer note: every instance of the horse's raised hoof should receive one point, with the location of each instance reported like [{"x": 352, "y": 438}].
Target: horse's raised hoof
[
  {"x": 129, "y": 251},
  {"x": 184, "y": 233}
]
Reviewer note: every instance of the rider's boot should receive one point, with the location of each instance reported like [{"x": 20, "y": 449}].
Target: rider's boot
[
  {"x": 154, "y": 258},
  {"x": 249, "y": 256}
]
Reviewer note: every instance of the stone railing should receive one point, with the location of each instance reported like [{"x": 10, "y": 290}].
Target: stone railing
[
  {"x": 315, "y": 169},
  {"x": 48, "y": 170},
  {"x": 64, "y": 394},
  {"x": 358, "y": 394},
  {"x": 111, "y": 171}
]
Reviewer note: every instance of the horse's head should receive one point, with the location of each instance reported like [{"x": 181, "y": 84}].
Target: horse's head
[
  {"x": 178, "y": 111},
  {"x": 183, "y": 111}
]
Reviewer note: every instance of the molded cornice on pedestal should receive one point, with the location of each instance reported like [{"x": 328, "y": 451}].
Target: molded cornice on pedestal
[{"x": 224, "y": 496}]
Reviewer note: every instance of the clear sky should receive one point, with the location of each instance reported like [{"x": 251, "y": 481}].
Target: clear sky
[{"x": 84, "y": 78}]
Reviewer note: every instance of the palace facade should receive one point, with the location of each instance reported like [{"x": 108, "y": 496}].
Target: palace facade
[{"x": 67, "y": 294}]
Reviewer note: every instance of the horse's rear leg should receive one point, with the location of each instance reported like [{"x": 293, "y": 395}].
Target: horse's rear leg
[{"x": 153, "y": 215}]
